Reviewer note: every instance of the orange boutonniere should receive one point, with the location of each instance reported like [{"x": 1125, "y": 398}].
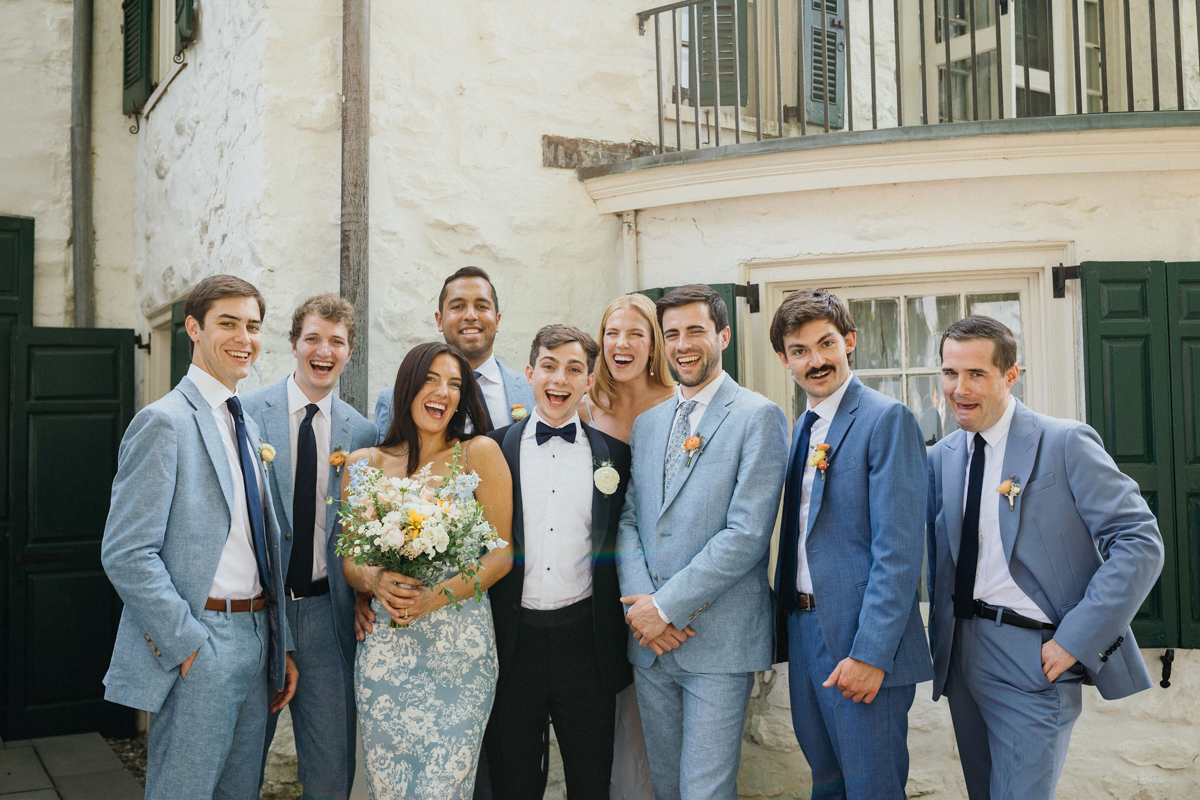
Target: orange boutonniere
[
  {"x": 1010, "y": 489},
  {"x": 518, "y": 412},
  {"x": 337, "y": 459},
  {"x": 820, "y": 458},
  {"x": 691, "y": 446}
]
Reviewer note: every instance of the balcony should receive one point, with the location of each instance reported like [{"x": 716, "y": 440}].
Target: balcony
[{"x": 777, "y": 76}]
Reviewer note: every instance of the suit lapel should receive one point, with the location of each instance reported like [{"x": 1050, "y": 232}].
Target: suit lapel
[
  {"x": 275, "y": 420},
  {"x": 511, "y": 447},
  {"x": 1019, "y": 454},
  {"x": 954, "y": 476},
  {"x": 212, "y": 439},
  {"x": 842, "y": 421},
  {"x": 714, "y": 415},
  {"x": 600, "y": 502}
]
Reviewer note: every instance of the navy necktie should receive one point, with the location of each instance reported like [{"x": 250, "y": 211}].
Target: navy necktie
[
  {"x": 246, "y": 455},
  {"x": 304, "y": 506},
  {"x": 968, "y": 545},
  {"x": 789, "y": 543},
  {"x": 545, "y": 433},
  {"x": 487, "y": 415}
]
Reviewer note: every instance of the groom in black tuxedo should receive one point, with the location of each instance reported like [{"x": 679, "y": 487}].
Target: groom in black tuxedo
[{"x": 560, "y": 627}]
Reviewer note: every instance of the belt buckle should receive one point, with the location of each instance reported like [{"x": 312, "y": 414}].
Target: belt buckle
[{"x": 292, "y": 592}]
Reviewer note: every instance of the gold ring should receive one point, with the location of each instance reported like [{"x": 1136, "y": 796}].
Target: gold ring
[{"x": 406, "y": 613}]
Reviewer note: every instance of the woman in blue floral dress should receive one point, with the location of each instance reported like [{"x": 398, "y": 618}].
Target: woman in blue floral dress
[{"x": 424, "y": 692}]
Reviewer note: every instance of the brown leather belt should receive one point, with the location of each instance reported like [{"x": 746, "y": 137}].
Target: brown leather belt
[
  {"x": 257, "y": 604},
  {"x": 805, "y": 602}
]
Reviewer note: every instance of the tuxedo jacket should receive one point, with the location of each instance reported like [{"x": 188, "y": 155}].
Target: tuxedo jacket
[
  {"x": 350, "y": 431},
  {"x": 608, "y": 615},
  {"x": 1079, "y": 539},
  {"x": 702, "y": 548},
  {"x": 866, "y": 536},
  {"x": 171, "y": 511}
]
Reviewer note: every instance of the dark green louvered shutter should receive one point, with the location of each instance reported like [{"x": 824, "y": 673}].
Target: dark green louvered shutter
[
  {"x": 181, "y": 344},
  {"x": 824, "y": 66},
  {"x": 729, "y": 67},
  {"x": 139, "y": 36},
  {"x": 185, "y": 24},
  {"x": 1183, "y": 333}
]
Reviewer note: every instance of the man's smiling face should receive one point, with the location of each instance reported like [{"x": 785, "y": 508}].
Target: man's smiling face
[
  {"x": 321, "y": 353},
  {"x": 227, "y": 344},
  {"x": 818, "y": 356},
  {"x": 469, "y": 319},
  {"x": 560, "y": 378}
]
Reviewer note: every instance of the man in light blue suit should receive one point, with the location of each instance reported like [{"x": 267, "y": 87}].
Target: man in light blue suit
[
  {"x": 468, "y": 316},
  {"x": 1040, "y": 553},
  {"x": 692, "y": 552},
  {"x": 850, "y": 549},
  {"x": 192, "y": 546},
  {"x": 309, "y": 426}
]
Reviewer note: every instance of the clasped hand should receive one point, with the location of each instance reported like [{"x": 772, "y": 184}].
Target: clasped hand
[
  {"x": 649, "y": 628},
  {"x": 403, "y": 597}
]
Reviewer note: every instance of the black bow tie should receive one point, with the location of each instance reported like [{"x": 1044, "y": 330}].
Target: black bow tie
[{"x": 545, "y": 433}]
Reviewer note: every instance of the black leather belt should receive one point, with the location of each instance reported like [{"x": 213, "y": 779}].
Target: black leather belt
[
  {"x": 1010, "y": 617},
  {"x": 315, "y": 589}
]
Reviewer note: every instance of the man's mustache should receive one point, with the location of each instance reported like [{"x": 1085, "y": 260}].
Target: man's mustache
[{"x": 812, "y": 373}]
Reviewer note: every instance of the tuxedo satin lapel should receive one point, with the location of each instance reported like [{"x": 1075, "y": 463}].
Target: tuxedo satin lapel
[
  {"x": 714, "y": 415},
  {"x": 1019, "y": 455},
  {"x": 600, "y": 502},
  {"x": 511, "y": 447},
  {"x": 842, "y": 421},
  {"x": 212, "y": 439},
  {"x": 954, "y": 476},
  {"x": 275, "y": 418}
]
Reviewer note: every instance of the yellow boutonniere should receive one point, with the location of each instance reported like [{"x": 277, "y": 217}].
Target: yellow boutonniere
[
  {"x": 266, "y": 453},
  {"x": 518, "y": 412},
  {"x": 820, "y": 458}
]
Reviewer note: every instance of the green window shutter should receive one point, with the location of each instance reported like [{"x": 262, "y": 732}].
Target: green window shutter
[
  {"x": 1128, "y": 387},
  {"x": 181, "y": 344},
  {"x": 185, "y": 24},
  {"x": 1183, "y": 330},
  {"x": 727, "y": 291},
  {"x": 821, "y": 77},
  {"x": 702, "y": 15},
  {"x": 139, "y": 39}
]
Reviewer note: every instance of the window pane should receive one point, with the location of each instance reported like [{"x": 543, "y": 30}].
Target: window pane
[
  {"x": 891, "y": 385},
  {"x": 878, "y": 322},
  {"x": 1003, "y": 307},
  {"x": 933, "y": 414},
  {"x": 927, "y": 318}
]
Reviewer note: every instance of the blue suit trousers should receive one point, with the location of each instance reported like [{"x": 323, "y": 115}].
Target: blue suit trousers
[
  {"x": 857, "y": 751},
  {"x": 1011, "y": 724},
  {"x": 205, "y": 743}
]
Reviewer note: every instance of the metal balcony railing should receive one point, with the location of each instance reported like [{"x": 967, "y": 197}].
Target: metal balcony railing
[{"x": 729, "y": 70}]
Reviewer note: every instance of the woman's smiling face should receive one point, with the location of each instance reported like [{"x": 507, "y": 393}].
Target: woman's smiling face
[
  {"x": 627, "y": 344},
  {"x": 438, "y": 399}
]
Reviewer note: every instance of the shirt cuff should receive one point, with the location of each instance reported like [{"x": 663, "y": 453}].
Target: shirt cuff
[{"x": 659, "y": 610}]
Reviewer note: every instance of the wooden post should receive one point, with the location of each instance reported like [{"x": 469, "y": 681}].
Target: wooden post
[
  {"x": 356, "y": 130},
  {"x": 83, "y": 243}
]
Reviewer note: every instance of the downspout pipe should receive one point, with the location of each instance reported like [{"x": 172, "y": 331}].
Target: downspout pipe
[
  {"x": 83, "y": 252},
  {"x": 355, "y": 232}
]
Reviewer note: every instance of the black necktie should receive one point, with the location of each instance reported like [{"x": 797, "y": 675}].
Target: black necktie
[
  {"x": 789, "y": 542},
  {"x": 246, "y": 455},
  {"x": 968, "y": 547},
  {"x": 487, "y": 415},
  {"x": 545, "y": 433},
  {"x": 304, "y": 506}
]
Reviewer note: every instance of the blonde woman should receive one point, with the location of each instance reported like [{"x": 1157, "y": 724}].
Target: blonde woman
[{"x": 631, "y": 377}]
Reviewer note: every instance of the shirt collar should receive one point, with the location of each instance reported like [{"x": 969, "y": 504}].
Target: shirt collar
[
  {"x": 212, "y": 390},
  {"x": 995, "y": 434},
  {"x": 827, "y": 409},
  {"x": 490, "y": 369},
  {"x": 704, "y": 396},
  {"x": 298, "y": 400},
  {"x": 531, "y": 429}
]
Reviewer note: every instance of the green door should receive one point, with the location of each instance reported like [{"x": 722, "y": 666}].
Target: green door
[
  {"x": 72, "y": 398},
  {"x": 181, "y": 345},
  {"x": 1183, "y": 330},
  {"x": 728, "y": 293}
]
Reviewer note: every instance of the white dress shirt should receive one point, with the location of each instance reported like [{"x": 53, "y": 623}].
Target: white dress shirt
[
  {"x": 702, "y": 398},
  {"x": 993, "y": 581},
  {"x": 322, "y": 424},
  {"x": 826, "y": 410},
  {"x": 556, "y": 504},
  {"x": 237, "y": 572},
  {"x": 491, "y": 384}
]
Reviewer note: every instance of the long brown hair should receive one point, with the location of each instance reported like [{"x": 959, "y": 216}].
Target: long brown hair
[
  {"x": 604, "y": 390},
  {"x": 410, "y": 379}
]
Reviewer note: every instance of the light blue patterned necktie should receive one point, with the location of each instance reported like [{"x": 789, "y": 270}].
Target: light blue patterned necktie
[{"x": 679, "y": 435}]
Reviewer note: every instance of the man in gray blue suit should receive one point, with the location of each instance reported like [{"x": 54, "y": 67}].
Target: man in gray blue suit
[
  {"x": 850, "y": 549},
  {"x": 692, "y": 552},
  {"x": 468, "y": 316},
  {"x": 192, "y": 546},
  {"x": 1040, "y": 553},
  {"x": 310, "y": 427}
]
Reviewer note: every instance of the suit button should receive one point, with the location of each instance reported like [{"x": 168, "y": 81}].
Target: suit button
[
  {"x": 287, "y": 536},
  {"x": 656, "y": 576},
  {"x": 147, "y": 636}
]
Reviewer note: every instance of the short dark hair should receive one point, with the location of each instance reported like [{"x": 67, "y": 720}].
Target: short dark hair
[
  {"x": 329, "y": 307},
  {"x": 805, "y": 305},
  {"x": 552, "y": 336},
  {"x": 467, "y": 272},
  {"x": 410, "y": 379},
  {"x": 217, "y": 287},
  {"x": 695, "y": 293},
  {"x": 1004, "y": 353}
]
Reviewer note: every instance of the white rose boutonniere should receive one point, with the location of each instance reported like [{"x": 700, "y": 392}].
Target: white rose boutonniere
[{"x": 606, "y": 478}]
